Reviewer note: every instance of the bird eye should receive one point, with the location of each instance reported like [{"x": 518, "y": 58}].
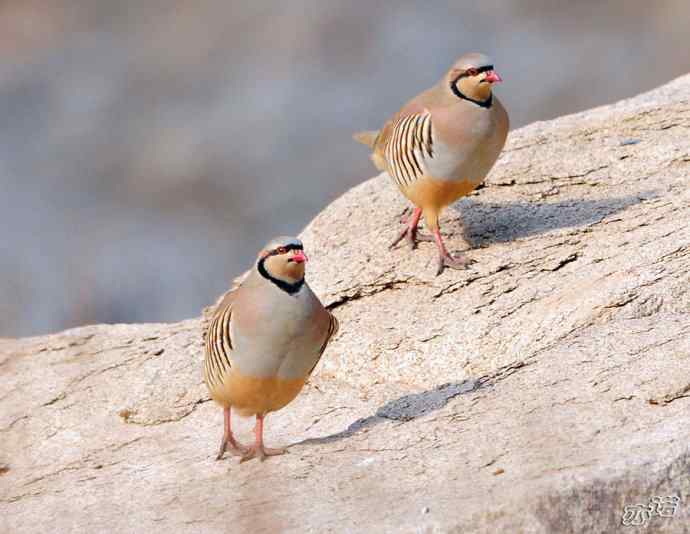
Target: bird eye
[
  {"x": 282, "y": 250},
  {"x": 472, "y": 72}
]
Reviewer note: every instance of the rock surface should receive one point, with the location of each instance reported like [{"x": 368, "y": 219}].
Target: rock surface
[{"x": 542, "y": 390}]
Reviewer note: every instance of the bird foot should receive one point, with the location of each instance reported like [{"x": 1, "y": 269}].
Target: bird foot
[
  {"x": 232, "y": 446},
  {"x": 412, "y": 237},
  {"x": 458, "y": 262},
  {"x": 404, "y": 216},
  {"x": 260, "y": 452}
]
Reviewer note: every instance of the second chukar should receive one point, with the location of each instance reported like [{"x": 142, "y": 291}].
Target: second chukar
[
  {"x": 441, "y": 145},
  {"x": 264, "y": 340}
]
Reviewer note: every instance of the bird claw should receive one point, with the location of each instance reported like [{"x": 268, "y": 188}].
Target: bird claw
[
  {"x": 404, "y": 216},
  {"x": 411, "y": 238},
  {"x": 233, "y": 447},
  {"x": 260, "y": 452},
  {"x": 399, "y": 237},
  {"x": 459, "y": 262}
]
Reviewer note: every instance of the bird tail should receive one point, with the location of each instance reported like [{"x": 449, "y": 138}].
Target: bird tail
[{"x": 368, "y": 137}]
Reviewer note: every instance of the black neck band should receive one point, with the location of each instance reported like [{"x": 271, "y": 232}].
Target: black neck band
[
  {"x": 482, "y": 103},
  {"x": 289, "y": 288}
]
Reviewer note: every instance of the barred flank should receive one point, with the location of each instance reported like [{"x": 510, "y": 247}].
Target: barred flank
[
  {"x": 218, "y": 347},
  {"x": 407, "y": 147}
]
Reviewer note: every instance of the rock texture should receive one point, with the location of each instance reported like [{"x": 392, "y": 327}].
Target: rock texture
[{"x": 542, "y": 390}]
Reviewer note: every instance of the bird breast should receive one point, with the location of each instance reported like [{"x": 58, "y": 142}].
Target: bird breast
[
  {"x": 466, "y": 145},
  {"x": 276, "y": 334}
]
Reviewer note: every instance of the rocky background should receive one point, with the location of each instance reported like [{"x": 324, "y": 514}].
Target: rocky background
[
  {"x": 147, "y": 149},
  {"x": 545, "y": 389}
]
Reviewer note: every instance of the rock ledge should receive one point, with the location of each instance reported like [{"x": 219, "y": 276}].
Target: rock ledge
[{"x": 542, "y": 390}]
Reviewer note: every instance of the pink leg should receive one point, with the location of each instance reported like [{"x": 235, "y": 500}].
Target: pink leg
[
  {"x": 236, "y": 448},
  {"x": 258, "y": 450},
  {"x": 444, "y": 257},
  {"x": 410, "y": 231}
]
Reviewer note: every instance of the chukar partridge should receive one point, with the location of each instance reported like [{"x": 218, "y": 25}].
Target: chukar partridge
[
  {"x": 264, "y": 340},
  {"x": 441, "y": 145}
]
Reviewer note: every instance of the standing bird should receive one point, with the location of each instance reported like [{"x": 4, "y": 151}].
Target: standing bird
[
  {"x": 441, "y": 145},
  {"x": 264, "y": 340}
]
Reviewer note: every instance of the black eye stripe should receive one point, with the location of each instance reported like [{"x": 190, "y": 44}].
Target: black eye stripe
[
  {"x": 287, "y": 248},
  {"x": 479, "y": 71}
]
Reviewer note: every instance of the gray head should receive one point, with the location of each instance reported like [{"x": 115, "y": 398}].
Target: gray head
[
  {"x": 283, "y": 241},
  {"x": 473, "y": 60}
]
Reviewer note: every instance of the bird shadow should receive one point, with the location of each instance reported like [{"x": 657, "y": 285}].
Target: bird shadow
[
  {"x": 405, "y": 408},
  {"x": 498, "y": 222}
]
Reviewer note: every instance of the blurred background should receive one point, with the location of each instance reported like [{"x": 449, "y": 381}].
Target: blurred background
[{"x": 148, "y": 148}]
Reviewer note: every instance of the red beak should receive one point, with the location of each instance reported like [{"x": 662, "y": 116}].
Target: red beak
[
  {"x": 299, "y": 257},
  {"x": 493, "y": 77}
]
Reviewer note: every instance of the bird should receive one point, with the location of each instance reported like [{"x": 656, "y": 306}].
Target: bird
[
  {"x": 441, "y": 145},
  {"x": 263, "y": 342}
]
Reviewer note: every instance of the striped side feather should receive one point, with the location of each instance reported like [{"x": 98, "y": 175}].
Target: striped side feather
[
  {"x": 407, "y": 148},
  {"x": 217, "y": 361}
]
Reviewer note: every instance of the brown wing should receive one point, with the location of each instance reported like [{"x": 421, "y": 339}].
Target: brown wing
[
  {"x": 217, "y": 337},
  {"x": 333, "y": 327},
  {"x": 405, "y": 143}
]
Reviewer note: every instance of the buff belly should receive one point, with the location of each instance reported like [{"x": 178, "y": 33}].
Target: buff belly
[
  {"x": 250, "y": 395},
  {"x": 432, "y": 195}
]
